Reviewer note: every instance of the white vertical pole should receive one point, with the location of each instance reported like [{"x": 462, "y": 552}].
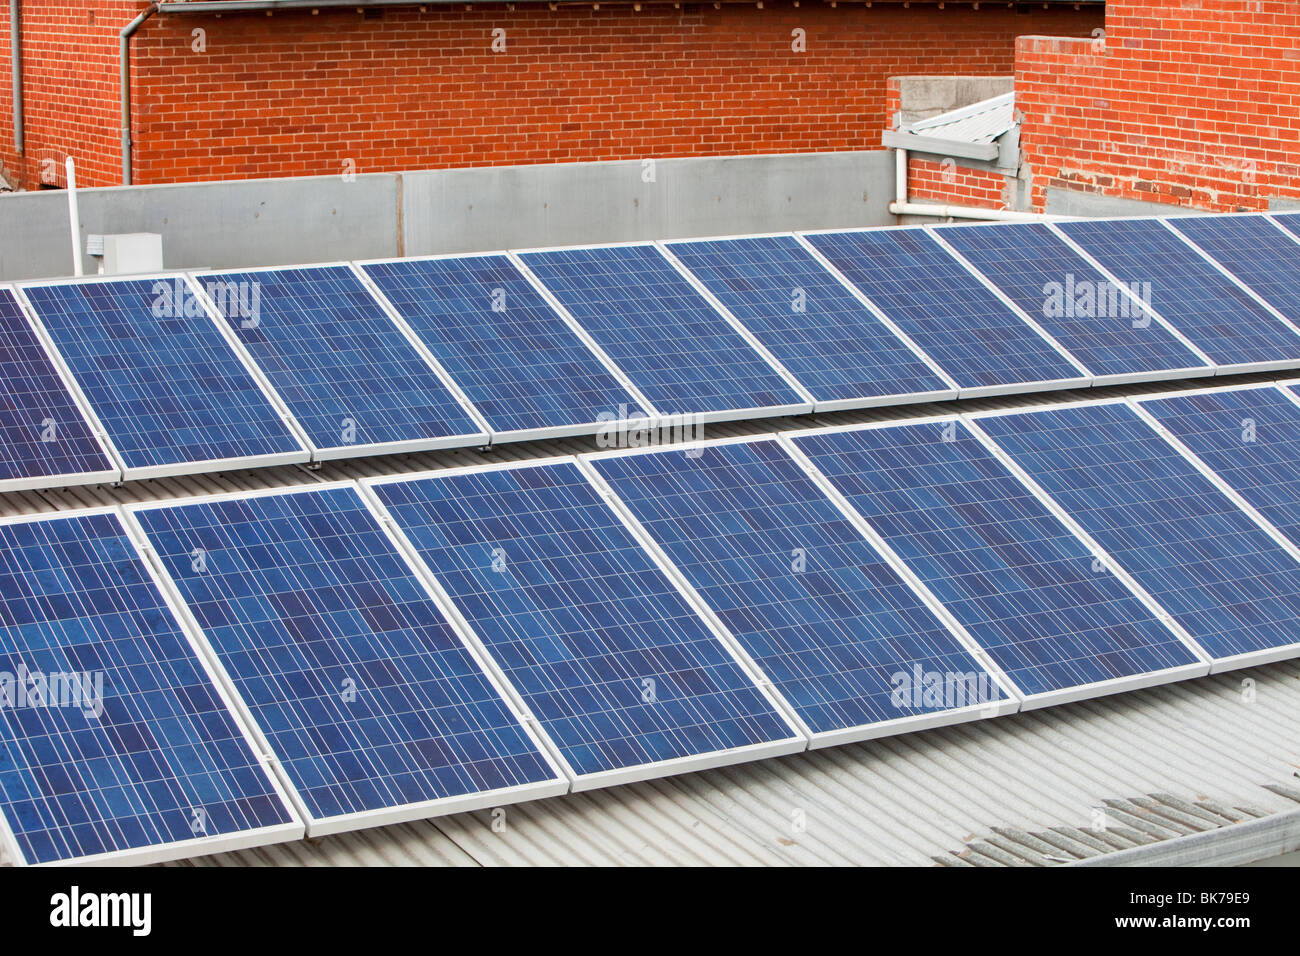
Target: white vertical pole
[{"x": 74, "y": 217}]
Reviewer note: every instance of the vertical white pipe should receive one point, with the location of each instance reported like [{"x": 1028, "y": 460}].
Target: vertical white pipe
[
  {"x": 900, "y": 176},
  {"x": 74, "y": 217}
]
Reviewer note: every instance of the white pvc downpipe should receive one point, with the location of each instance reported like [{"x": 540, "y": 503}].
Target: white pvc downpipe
[
  {"x": 74, "y": 217},
  {"x": 902, "y": 207}
]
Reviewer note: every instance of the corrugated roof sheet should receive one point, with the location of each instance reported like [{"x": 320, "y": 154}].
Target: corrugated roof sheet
[{"x": 981, "y": 122}]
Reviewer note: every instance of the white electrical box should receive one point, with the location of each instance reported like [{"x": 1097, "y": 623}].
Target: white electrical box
[{"x": 133, "y": 253}]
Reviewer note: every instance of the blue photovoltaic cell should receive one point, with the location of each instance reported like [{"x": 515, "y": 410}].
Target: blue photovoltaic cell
[
  {"x": 515, "y": 358},
  {"x": 1009, "y": 571},
  {"x": 342, "y": 366},
  {"x": 664, "y": 335},
  {"x": 159, "y": 375},
  {"x": 830, "y": 623},
  {"x": 1289, "y": 221},
  {"x": 944, "y": 309},
  {"x": 163, "y": 760},
  {"x": 832, "y": 343},
  {"x": 1218, "y": 573},
  {"x": 363, "y": 691},
  {"x": 1251, "y": 439},
  {"x": 1077, "y": 305},
  {"x": 605, "y": 651},
  {"x": 42, "y": 431},
  {"x": 1199, "y": 301},
  {"x": 1257, "y": 252}
]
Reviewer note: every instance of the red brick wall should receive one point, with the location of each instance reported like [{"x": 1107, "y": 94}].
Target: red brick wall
[
  {"x": 297, "y": 94},
  {"x": 1191, "y": 104},
  {"x": 70, "y": 94},
  {"x": 945, "y": 182}
]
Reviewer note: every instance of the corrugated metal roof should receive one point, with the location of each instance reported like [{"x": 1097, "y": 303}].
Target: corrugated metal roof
[{"x": 981, "y": 122}]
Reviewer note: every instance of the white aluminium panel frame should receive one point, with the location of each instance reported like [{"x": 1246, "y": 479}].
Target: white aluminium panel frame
[
  {"x": 498, "y": 437},
  {"x": 1249, "y": 658},
  {"x": 832, "y": 738},
  {"x": 337, "y": 452},
  {"x": 665, "y": 420},
  {"x": 975, "y": 391},
  {"x": 173, "y": 469},
  {"x": 830, "y": 405},
  {"x": 1098, "y": 381},
  {"x": 1216, "y": 664},
  {"x": 198, "y": 846},
  {"x": 404, "y": 813},
  {"x": 799, "y": 734},
  {"x": 1028, "y": 701},
  {"x": 1239, "y": 368},
  {"x": 39, "y": 482}
]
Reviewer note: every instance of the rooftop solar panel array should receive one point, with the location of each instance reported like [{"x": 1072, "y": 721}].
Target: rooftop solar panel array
[
  {"x": 45, "y": 439},
  {"x": 619, "y": 669},
  {"x": 523, "y": 368},
  {"x": 1214, "y": 313},
  {"x": 168, "y": 389},
  {"x": 1108, "y": 332},
  {"x": 828, "y": 621},
  {"x": 1011, "y": 573},
  {"x": 1221, "y": 576},
  {"x": 1256, "y": 251},
  {"x": 368, "y": 698},
  {"x": 832, "y": 343},
  {"x": 975, "y": 337},
  {"x": 674, "y": 346},
  {"x": 349, "y": 376},
  {"x": 115, "y": 744}
]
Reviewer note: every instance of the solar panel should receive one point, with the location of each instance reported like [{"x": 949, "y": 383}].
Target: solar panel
[
  {"x": 169, "y": 391},
  {"x": 1019, "y": 581},
  {"x": 1250, "y": 438},
  {"x": 365, "y": 694},
  {"x": 842, "y": 638},
  {"x": 619, "y": 670},
  {"x": 1218, "y": 317},
  {"x": 673, "y": 345},
  {"x": 1108, "y": 332},
  {"x": 1288, "y": 221},
  {"x": 1230, "y": 585},
  {"x": 45, "y": 440},
  {"x": 946, "y": 311},
  {"x": 1257, "y": 252},
  {"x": 526, "y": 371},
  {"x": 115, "y": 744},
  {"x": 833, "y": 344},
  {"x": 349, "y": 376}
]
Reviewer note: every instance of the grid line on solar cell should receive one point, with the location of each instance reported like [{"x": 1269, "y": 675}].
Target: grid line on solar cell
[
  {"x": 166, "y": 386},
  {"x": 814, "y": 605},
  {"x": 43, "y": 432},
  {"x": 1220, "y": 575},
  {"x": 1073, "y": 301},
  {"x": 947, "y": 312},
  {"x": 666, "y": 337},
  {"x": 832, "y": 343},
  {"x": 366, "y": 695},
  {"x": 1250, "y": 438},
  {"x": 601, "y": 646},
  {"x": 1220, "y": 318},
  {"x": 335, "y": 357},
  {"x": 1258, "y": 253},
  {"x": 76, "y": 599},
  {"x": 1009, "y": 571},
  {"x": 494, "y": 334}
]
